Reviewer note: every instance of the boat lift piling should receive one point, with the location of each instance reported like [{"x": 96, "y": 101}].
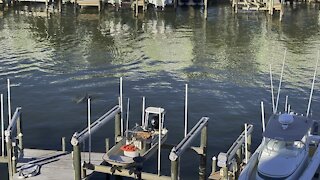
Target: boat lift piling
[{"x": 2, "y": 128}]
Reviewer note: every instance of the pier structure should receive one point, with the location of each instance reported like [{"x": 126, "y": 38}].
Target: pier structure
[
  {"x": 38, "y": 164},
  {"x": 234, "y": 159},
  {"x": 259, "y": 5}
]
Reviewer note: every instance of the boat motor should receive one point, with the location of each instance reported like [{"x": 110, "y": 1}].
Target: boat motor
[{"x": 155, "y": 122}]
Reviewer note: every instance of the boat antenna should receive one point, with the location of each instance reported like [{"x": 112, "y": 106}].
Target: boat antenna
[
  {"x": 89, "y": 128},
  {"x": 272, "y": 94},
  {"x": 283, "y": 63},
  {"x": 286, "y": 105},
  {"x": 121, "y": 105},
  {"x": 262, "y": 117},
  {"x": 186, "y": 112},
  {"x": 9, "y": 100},
  {"x": 2, "y": 127},
  {"x": 143, "y": 108},
  {"x": 159, "y": 138},
  {"x": 127, "y": 124},
  {"x": 314, "y": 77}
]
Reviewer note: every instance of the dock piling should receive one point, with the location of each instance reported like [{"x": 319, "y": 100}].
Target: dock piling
[
  {"x": 107, "y": 144},
  {"x": 117, "y": 128},
  {"x": 77, "y": 162},
  {"x": 2, "y": 128},
  {"x": 205, "y": 9},
  {"x": 203, "y": 156},
  {"x": 20, "y": 134},
  {"x": 175, "y": 169},
  {"x": 63, "y": 144},
  {"x": 9, "y": 156},
  {"x": 214, "y": 164}
]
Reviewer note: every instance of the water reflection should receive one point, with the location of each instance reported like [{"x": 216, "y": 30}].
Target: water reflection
[{"x": 225, "y": 60}]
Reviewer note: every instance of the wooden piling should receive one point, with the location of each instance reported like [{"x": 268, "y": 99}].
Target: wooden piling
[
  {"x": 9, "y": 156},
  {"x": 77, "y": 162},
  {"x": 203, "y": 156},
  {"x": 14, "y": 164},
  {"x": 63, "y": 144},
  {"x": 137, "y": 8},
  {"x": 20, "y": 134},
  {"x": 205, "y": 9},
  {"x": 214, "y": 164},
  {"x": 117, "y": 128},
  {"x": 107, "y": 144},
  {"x": 175, "y": 169}
]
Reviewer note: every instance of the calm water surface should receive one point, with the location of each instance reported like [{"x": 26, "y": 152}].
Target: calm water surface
[{"x": 53, "y": 61}]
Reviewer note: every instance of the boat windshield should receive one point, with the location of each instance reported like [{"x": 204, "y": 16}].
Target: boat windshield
[{"x": 276, "y": 145}]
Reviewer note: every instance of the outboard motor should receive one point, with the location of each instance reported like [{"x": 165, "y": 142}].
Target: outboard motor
[{"x": 155, "y": 122}]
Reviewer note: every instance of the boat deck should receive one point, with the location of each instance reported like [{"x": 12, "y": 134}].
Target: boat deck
[{"x": 55, "y": 165}]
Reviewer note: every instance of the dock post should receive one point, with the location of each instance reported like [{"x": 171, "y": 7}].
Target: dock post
[
  {"x": 205, "y": 9},
  {"x": 203, "y": 156},
  {"x": 137, "y": 8},
  {"x": 117, "y": 128},
  {"x": 214, "y": 164},
  {"x": 175, "y": 169},
  {"x": 63, "y": 144},
  {"x": 107, "y": 144},
  {"x": 14, "y": 164},
  {"x": 9, "y": 156},
  {"x": 20, "y": 135},
  {"x": 77, "y": 162}
]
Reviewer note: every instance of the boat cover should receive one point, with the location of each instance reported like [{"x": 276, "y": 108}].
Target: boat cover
[{"x": 294, "y": 132}]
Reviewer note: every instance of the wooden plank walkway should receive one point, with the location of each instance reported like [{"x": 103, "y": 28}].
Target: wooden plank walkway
[{"x": 55, "y": 165}]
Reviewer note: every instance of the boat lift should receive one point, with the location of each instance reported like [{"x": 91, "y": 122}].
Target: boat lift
[
  {"x": 185, "y": 144},
  {"x": 78, "y": 138},
  {"x": 234, "y": 157},
  {"x": 12, "y": 137}
]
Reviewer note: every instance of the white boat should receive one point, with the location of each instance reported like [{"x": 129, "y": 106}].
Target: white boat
[
  {"x": 141, "y": 141},
  {"x": 283, "y": 153},
  {"x": 287, "y": 138}
]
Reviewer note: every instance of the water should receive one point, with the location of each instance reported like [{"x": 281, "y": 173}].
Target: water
[{"x": 53, "y": 61}]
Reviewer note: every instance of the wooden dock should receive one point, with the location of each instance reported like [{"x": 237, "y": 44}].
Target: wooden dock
[{"x": 55, "y": 165}]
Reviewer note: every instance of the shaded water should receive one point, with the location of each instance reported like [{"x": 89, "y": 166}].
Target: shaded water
[{"x": 53, "y": 61}]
